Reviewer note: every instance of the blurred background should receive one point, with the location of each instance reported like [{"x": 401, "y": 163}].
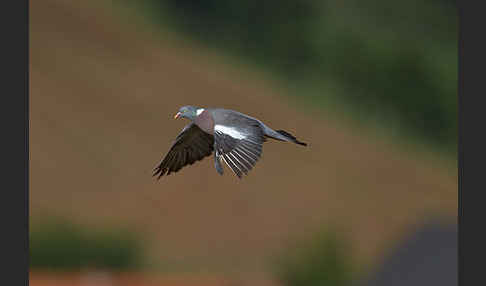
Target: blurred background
[{"x": 370, "y": 85}]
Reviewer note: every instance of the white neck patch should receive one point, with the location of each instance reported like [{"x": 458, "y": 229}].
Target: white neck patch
[
  {"x": 229, "y": 131},
  {"x": 199, "y": 111}
]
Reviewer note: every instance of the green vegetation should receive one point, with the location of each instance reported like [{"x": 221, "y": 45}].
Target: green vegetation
[
  {"x": 394, "y": 61},
  {"x": 323, "y": 261},
  {"x": 60, "y": 245}
]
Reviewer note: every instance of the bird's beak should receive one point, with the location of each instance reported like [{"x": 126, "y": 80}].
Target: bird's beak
[{"x": 178, "y": 114}]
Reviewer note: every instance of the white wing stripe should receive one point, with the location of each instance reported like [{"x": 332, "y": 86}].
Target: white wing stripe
[{"x": 230, "y": 131}]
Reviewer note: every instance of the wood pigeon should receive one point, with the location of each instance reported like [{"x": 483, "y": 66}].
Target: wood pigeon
[{"x": 234, "y": 137}]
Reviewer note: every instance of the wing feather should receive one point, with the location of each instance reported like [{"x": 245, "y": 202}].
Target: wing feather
[
  {"x": 191, "y": 145},
  {"x": 239, "y": 149}
]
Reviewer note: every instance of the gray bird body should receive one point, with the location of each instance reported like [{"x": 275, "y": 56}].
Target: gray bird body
[
  {"x": 235, "y": 119},
  {"x": 235, "y": 138}
]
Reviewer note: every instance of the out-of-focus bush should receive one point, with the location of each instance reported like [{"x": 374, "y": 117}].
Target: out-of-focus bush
[
  {"x": 251, "y": 28},
  {"x": 389, "y": 58},
  {"x": 322, "y": 261},
  {"x": 60, "y": 245}
]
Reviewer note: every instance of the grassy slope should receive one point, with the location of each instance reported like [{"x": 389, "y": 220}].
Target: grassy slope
[{"x": 102, "y": 100}]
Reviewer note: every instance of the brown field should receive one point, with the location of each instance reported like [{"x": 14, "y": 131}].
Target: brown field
[
  {"x": 123, "y": 279},
  {"x": 103, "y": 93}
]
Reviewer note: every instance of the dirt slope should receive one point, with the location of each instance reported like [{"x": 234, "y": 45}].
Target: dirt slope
[{"x": 102, "y": 101}]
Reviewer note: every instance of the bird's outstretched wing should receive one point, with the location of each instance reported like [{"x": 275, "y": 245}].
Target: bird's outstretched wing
[
  {"x": 191, "y": 145},
  {"x": 240, "y": 149}
]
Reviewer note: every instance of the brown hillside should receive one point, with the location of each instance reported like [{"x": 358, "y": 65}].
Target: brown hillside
[{"x": 102, "y": 100}]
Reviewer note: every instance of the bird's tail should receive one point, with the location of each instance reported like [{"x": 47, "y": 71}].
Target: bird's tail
[{"x": 290, "y": 137}]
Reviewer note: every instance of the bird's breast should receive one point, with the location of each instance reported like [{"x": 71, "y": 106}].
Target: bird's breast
[{"x": 205, "y": 121}]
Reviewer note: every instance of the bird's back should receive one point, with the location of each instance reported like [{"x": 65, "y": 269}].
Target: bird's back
[{"x": 233, "y": 118}]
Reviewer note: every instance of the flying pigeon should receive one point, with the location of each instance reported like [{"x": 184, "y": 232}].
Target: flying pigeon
[{"x": 235, "y": 138}]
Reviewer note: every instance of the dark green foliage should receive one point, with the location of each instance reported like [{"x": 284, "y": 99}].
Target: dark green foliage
[
  {"x": 391, "y": 58},
  {"x": 402, "y": 84},
  {"x": 59, "y": 245},
  {"x": 322, "y": 261},
  {"x": 269, "y": 32}
]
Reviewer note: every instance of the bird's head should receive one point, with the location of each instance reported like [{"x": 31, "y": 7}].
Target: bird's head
[{"x": 189, "y": 112}]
